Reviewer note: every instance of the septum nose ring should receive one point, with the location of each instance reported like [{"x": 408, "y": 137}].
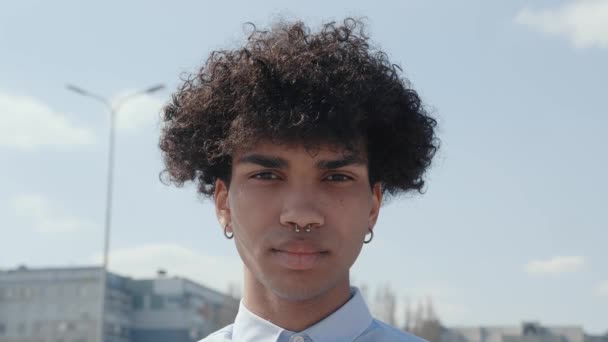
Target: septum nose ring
[{"x": 306, "y": 228}]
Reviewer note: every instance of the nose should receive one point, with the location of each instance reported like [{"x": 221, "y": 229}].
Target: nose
[{"x": 303, "y": 208}]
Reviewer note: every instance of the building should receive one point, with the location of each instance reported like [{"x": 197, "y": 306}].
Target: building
[
  {"x": 64, "y": 305},
  {"x": 526, "y": 332},
  {"x": 597, "y": 338},
  {"x": 176, "y": 309}
]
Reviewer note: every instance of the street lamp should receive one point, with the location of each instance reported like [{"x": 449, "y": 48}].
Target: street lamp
[{"x": 113, "y": 109}]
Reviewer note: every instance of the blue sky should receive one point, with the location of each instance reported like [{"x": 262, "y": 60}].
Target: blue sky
[{"x": 512, "y": 225}]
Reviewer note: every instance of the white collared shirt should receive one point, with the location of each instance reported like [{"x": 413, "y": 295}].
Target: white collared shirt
[{"x": 351, "y": 322}]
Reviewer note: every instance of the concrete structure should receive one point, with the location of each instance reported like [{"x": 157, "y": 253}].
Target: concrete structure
[
  {"x": 526, "y": 332},
  {"x": 597, "y": 338},
  {"x": 64, "y": 305},
  {"x": 176, "y": 309}
]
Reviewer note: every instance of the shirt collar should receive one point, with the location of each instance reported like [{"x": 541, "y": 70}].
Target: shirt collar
[
  {"x": 345, "y": 324},
  {"x": 251, "y": 327}
]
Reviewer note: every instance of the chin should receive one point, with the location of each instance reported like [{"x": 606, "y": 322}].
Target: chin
[
  {"x": 297, "y": 294},
  {"x": 298, "y": 289}
]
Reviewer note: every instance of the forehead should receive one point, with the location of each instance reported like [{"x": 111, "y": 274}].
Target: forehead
[
  {"x": 322, "y": 155},
  {"x": 299, "y": 151}
]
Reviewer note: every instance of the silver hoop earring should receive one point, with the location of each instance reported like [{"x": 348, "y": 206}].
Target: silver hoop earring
[
  {"x": 307, "y": 229},
  {"x": 371, "y": 237},
  {"x": 296, "y": 228},
  {"x": 226, "y": 232}
]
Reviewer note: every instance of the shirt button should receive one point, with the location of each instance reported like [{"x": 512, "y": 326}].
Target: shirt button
[{"x": 297, "y": 338}]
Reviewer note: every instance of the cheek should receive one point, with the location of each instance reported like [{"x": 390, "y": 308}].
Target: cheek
[
  {"x": 354, "y": 202},
  {"x": 252, "y": 209},
  {"x": 350, "y": 216}
]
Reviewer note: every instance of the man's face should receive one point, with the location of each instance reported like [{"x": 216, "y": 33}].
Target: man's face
[{"x": 275, "y": 187}]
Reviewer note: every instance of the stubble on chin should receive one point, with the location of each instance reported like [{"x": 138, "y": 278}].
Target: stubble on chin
[{"x": 298, "y": 291}]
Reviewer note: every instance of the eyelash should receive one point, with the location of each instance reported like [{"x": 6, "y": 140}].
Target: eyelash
[
  {"x": 268, "y": 176},
  {"x": 260, "y": 175},
  {"x": 340, "y": 175}
]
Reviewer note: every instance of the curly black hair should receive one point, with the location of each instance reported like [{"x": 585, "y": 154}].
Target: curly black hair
[{"x": 288, "y": 85}]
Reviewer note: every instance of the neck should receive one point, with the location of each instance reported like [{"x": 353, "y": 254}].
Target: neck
[{"x": 294, "y": 315}]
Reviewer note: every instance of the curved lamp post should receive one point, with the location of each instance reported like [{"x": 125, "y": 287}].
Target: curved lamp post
[{"x": 112, "y": 109}]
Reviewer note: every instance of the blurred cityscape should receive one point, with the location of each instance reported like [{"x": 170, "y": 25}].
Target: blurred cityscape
[{"x": 64, "y": 305}]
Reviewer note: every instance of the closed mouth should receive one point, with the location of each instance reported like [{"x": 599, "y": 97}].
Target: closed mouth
[{"x": 299, "y": 261}]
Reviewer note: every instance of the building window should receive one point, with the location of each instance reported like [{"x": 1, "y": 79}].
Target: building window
[
  {"x": 174, "y": 302},
  {"x": 71, "y": 326},
  {"x": 21, "y": 328},
  {"x": 138, "y": 302},
  {"x": 156, "y": 302},
  {"x": 27, "y": 293},
  {"x": 9, "y": 293},
  {"x": 37, "y": 327},
  {"x": 126, "y": 332}
]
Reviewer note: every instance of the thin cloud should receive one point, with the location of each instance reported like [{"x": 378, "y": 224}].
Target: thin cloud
[
  {"x": 28, "y": 123},
  {"x": 556, "y": 265},
  {"x": 143, "y": 262},
  {"x": 140, "y": 111},
  {"x": 602, "y": 289},
  {"x": 582, "y": 22},
  {"x": 44, "y": 217}
]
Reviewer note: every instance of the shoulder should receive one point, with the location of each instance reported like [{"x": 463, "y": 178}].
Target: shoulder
[
  {"x": 224, "y": 334},
  {"x": 381, "y": 331}
]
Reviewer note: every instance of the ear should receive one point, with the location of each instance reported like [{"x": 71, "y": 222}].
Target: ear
[
  {"x": 376, "y": 203},
  {"x": 222, "y": 206}
]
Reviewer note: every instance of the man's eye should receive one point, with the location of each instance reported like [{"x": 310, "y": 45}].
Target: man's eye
[
  {"x": 265, "y": 176},
  {"x": 338, "y": 177}
]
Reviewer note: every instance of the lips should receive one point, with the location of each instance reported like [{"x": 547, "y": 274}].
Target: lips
[{"x": 299, "y": 255}]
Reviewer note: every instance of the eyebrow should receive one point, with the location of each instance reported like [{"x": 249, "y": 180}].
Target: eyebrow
[
  {"x": 272, "y": 162},
  {"x": 264, "y": 161},
  {"x": 338, "y": 163}
]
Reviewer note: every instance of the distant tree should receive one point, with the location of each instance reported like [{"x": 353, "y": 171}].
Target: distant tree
[
  {"x": 429, "y": 310},
  {"x": 426, "y": 324},
  {"x": 407, "y": 315},
  {"x": 364, "y": 292},
  {"x": 234, "y": 290},
  {"x": 391, "y": 305},
  {"x": 385, "y": 304},
  {"x": 429, "y": 330}
]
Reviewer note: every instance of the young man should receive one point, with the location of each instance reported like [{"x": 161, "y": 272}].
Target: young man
[{"x": 297, "y": 137}]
